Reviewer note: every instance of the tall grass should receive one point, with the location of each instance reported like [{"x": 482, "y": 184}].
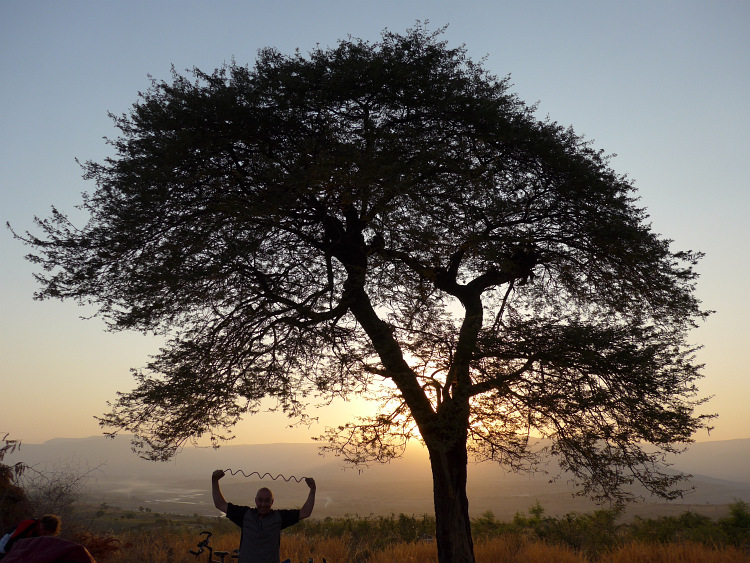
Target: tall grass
[
  {"x": 141, "y": 548},
  {"x": 688, "y": 552},
  {"x": 574, "y": 538}
]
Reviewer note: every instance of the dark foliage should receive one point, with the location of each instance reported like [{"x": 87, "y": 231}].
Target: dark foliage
[
  {"x": 14, "y": 503},
  {"x": 386, "y": 218}
]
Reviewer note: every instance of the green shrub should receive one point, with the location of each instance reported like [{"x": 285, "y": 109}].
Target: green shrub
[{"x": 737, "y": 525}]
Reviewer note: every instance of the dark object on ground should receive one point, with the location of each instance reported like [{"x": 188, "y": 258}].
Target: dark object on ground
[{"x": 48, "y": 550}]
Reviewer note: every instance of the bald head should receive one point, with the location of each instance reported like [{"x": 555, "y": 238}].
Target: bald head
[{"x": 264, "y": 500}]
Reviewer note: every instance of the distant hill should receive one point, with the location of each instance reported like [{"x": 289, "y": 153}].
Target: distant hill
[
  {"x": 721, "y": 470},
  {"x": 726, "y": 459}
]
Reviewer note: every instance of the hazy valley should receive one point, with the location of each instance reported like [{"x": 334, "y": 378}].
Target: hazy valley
[{"x": 721, "y": 475}]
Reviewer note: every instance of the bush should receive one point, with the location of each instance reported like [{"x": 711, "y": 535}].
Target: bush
[
  {"x": 14, "y": 503},
  {"x": 737, "y": 524},
  {"x": 370, "y": 533},
  {"x": 592, "y": 533}
]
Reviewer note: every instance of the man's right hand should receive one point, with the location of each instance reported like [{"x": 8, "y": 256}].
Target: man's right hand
[{"x": 219, "y": 501}]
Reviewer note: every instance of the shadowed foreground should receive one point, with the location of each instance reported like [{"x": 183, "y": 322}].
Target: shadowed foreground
[
  {"x": 598, "y": 536},
  {"x": 512, "y": 548}
]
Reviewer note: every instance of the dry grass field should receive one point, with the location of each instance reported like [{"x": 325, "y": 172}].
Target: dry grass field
[
  {"x": 166, "y": 548},
  {"x": 602, "y": 536}
]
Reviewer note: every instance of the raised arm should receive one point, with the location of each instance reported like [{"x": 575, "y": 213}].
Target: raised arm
[
  {"x": 307, "y": 508},
  {"x": 219, "y": 500}
]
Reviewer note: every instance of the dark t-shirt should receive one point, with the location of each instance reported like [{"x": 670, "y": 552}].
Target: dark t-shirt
[{"x": 261, "y": 537}]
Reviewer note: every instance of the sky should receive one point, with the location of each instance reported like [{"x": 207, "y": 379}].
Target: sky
[{"x": 664, "y": 85}]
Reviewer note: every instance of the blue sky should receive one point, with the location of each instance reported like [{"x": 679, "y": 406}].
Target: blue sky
[{"x": 663, "y": 84}]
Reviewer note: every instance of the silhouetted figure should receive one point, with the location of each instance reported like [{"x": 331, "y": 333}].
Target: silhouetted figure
[{"x": 261, "y": 526}]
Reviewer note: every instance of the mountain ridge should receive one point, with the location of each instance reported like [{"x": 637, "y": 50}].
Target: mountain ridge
[{"x": 721, "y": 471}]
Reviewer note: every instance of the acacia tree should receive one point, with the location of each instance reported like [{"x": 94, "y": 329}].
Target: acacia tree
[{"x": 386, "y": 216}]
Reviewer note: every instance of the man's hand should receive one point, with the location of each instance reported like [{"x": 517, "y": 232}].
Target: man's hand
[
  {"x": 310, "y": 483},
  {"x": 218, "y": 474}
]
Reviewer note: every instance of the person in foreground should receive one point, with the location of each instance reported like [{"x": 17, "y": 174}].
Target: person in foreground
[
  {"x": 47, "y": 525},
  {"x": 260, "y": 539}
]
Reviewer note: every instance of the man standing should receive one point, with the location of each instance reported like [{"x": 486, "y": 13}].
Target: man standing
[{"x": 261, "y": 526}]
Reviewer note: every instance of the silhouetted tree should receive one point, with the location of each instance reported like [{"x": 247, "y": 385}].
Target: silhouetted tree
[
  {"x": 57, "y": 488},
  {"x": 387, "y": 214},
  {"x": 14, "y": 503}
]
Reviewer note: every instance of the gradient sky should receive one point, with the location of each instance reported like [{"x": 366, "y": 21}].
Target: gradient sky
[{"x": 663, "y": 84}]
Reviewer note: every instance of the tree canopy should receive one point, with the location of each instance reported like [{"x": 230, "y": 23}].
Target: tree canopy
[{"x": 385, "y": 216}]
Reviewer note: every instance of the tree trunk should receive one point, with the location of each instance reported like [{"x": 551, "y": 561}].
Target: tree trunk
[{"x": 453, "y": 535}]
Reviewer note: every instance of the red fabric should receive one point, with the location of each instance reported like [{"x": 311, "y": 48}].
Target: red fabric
[
  {"x": 25, "y": 529},
  {"x": 48, "y": 549}
]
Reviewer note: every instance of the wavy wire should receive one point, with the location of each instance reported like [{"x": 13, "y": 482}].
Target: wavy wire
[{"x": 287, "y": 479}]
